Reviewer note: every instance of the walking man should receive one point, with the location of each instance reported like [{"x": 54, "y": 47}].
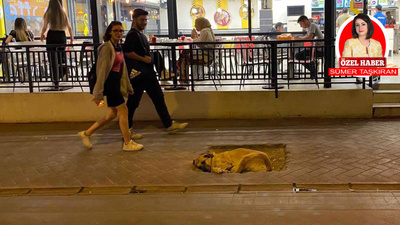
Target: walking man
[{"x": 138, "y": 57}]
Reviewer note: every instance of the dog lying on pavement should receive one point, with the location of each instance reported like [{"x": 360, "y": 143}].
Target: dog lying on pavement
[{"x": 234, "y": 161}]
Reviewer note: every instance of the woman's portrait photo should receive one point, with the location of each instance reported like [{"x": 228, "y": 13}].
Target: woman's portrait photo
[{"x": 362, "y": 44}]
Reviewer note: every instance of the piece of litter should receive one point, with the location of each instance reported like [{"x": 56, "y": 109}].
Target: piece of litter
[{"x": 303, "y": 189}]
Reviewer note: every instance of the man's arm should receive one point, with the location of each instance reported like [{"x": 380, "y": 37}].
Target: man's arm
[
  {"x": 134, "y": 56},
  {"x": 130, "y": 41},
  {"x": 308, "y": 36}
]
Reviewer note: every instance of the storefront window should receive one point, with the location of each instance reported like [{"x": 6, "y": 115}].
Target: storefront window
[
  {"x": 31, "y": 11},
  {"x": 225, "y": 16},
  {"x": 80, "y": 18},
  {"x": 158, "y": 19},
  {"x": 105, "y": 15}
]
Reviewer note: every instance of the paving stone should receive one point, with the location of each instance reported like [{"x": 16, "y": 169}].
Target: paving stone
[
  {"x": 213, "y": 189},
  {"x": 105, "y": 190},
  {"x": 340, "y": 151},
  {"x": 55, "y": 191}
]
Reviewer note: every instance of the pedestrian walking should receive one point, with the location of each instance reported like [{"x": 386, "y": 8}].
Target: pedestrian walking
[
  {"x": 113, "y": 83},
  {"x": 138, "y": 57}
]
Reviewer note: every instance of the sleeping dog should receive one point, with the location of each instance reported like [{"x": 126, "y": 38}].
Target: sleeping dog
[{"x": 234, "y": 161}]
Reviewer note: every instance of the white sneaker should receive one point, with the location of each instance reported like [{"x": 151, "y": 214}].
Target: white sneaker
[
  {"x": 85, "y": 139},
  {"x": 132, "y": 146},
  {"x": 135, "y": 136},
  {"x": 175, "y": 126}
]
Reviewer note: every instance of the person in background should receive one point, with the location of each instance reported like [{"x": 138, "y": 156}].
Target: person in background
[
  {"x": 56, "y": 19},
  {"x": 390, "y": 21},
  {"x": 113, "y": 82},
  {"x": 343, "y": 17},
  {"x": 278, "y": 28},
  {"x": 198, "y": 57},
  {"x": 20, "y": 32},
  {"x": 312, "y": 32},
  {"x": 158, "y": 61},
  {"x": 379, "y": 15},
  {"x": 138, "y": 57}
]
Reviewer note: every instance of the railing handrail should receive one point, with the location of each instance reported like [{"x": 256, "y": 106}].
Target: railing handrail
[{"x": 177, "y": 43}]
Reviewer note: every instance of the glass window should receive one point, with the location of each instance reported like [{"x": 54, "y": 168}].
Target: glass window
[
  {"x": 158, "y": 19},
  {"x": 225, "y": 16},
  {"x": 79, "y": 15},
  {"x": 31, "y": 11},
  {"x": 105, "y": 15}
]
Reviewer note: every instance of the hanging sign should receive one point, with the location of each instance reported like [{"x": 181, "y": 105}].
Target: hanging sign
[{"x": 358, "y": 4}]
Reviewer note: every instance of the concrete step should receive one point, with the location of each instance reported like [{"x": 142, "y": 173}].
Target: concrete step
[
  {"x": 389, "y": 86},
  {"x": 386, "y": 109},
  {"x": 386, "y": 96}
]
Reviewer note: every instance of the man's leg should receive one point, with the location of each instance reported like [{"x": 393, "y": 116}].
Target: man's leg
[
  {"x": 305, "y": 55},
  {"x": 154, "y": 91},
  {"x": 134, "y": 100}
]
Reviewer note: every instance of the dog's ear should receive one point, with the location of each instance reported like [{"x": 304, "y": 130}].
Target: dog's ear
[{"x": 208, "y": 155}]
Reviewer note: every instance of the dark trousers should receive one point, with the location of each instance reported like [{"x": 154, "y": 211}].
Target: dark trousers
[
  {"x": 158, "y": 61},
  {"x": 305, "y": 55},
  {"x": 147, "y": 81},
  {"x": 57, "y": 55}
]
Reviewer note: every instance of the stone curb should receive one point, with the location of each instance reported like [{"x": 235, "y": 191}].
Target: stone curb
[{"x": 225, "y": 189}]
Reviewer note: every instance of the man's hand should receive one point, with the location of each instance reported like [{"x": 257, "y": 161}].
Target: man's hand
[
  {"x": 130, "y": 92},
  {"x": 147, "y": 59},
  {"x": 42, "y": 37}
]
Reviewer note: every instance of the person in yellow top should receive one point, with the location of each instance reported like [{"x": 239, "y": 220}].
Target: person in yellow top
[
  {"x": 342, "y": 17},
  {"x": 362, "y": 45}
]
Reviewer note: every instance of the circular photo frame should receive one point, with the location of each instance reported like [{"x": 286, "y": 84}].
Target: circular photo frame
[
  {"x": 197, "y": 11},
  {"x": 344, "y": 34},
  {"x": 222, "y": 17}
]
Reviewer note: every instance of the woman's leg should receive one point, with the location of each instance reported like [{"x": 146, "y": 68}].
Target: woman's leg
[
  {"x": 99, "y": 123},
  {"x": 85, "y": 135},
  {"x": 123, "y": 122}
]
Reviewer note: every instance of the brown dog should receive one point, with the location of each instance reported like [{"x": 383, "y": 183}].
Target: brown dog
[{"x": 234, "y": 161}]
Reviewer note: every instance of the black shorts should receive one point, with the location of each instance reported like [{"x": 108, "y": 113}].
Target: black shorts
[{"x": 112, "y": 89}]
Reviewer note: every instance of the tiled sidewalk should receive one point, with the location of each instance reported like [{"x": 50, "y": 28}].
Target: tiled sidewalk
[{"x": 320, "y": 151}]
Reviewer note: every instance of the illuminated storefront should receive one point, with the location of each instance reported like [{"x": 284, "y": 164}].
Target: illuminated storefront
[{"x": 243, "y": 17}]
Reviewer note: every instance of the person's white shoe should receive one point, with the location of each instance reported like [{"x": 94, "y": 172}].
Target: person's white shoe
[
  {"x": 85, "y": 139},
  {"x": 132, "y": 146},
  {"x": 135, "y": 136},
  {"x": 175, "y": 127}
]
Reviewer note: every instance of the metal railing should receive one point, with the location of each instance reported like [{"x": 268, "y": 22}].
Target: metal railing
[{"x": 273, "y": 64}]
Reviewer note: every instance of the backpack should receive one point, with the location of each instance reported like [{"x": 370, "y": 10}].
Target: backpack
[{"x": 92, "y": 78}]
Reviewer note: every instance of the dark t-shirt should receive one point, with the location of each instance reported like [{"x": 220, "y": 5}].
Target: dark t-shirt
[
  {"x": 29, "y": 35},
  {"x": 136, "y": 42}
]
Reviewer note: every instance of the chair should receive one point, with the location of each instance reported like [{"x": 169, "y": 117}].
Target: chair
[
  {"x": 72, "y": 65},
  {"x": 210, "y": 67},
  {"x": 311, "y": 64},
  {"x": 253, "y": 56}
]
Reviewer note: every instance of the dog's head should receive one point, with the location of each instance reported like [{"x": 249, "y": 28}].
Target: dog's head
[{"x": 203, "y": 162}]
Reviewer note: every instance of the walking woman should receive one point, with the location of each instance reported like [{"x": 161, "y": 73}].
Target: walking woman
[
  {"x": 58, "y": 21},
  {"x": 112, "y": 82},
  {"x": 20, "y": 32}
]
